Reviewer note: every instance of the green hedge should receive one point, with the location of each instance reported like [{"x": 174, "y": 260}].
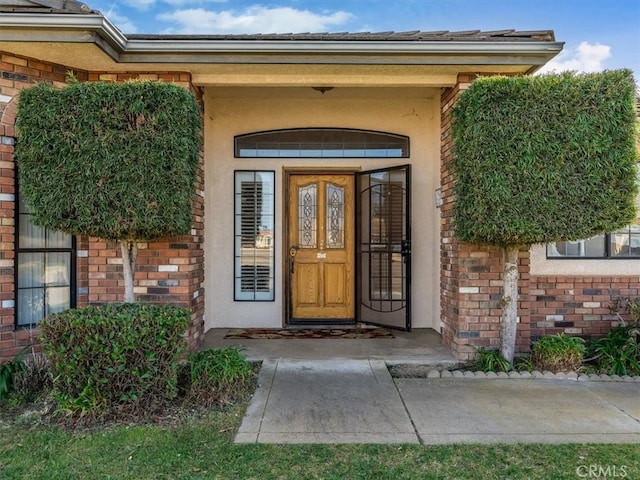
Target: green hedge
[
  {"x": 112, "y": 160},
  {"x": 113, "y": 355},
  {"x": 544, "y": 158}
]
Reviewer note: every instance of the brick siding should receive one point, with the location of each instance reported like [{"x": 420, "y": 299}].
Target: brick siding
[
  {"x": 169, "y": 270},
  {"x": 577, "y": 305}
]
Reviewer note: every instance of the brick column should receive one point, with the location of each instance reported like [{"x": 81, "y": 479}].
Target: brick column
[{"x": 470, "y": 275}]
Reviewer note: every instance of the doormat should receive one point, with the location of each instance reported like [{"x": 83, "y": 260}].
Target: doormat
[{"x": 276, "y": 333}]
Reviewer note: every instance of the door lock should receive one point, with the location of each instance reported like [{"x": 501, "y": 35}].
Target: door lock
[{"x": 292, "y": 254}]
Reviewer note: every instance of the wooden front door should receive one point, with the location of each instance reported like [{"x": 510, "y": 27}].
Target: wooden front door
[{"x": 321, "y": 247}]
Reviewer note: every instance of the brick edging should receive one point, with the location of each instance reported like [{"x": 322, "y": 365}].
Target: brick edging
[{"x": 535, "y": 375}]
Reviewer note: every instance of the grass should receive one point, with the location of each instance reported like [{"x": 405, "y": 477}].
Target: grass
[{"x": 201, "y": 447}]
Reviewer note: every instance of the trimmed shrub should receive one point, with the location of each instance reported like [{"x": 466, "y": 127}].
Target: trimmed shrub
[
  {"x": 558, "y": 353},
  {"x": 115, "y": 356},
  {"x": 545, "y": 158},
  {"x": 110, "y": 160},
  {"x": 217, "y": 376}
]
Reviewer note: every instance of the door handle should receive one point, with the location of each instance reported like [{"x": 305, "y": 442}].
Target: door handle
[
  {"x": 292, "y": 255},
  {"x": 405, "y": 249}
]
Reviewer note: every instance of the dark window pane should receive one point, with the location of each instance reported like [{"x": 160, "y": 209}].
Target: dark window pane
[{"x": 45, "y": 275}]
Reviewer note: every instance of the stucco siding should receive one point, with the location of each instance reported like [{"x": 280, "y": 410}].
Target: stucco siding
[{"x": 234, "y": 111}]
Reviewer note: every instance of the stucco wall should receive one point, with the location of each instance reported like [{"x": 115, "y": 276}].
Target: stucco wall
[{"x": 233, "y": 111}]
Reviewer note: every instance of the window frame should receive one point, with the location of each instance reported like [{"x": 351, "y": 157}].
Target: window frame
[
  {"x": 237, "y": 295},
  {"x": 607, "y": 250},
  {"x": 72, "y": 251},
  {"x": 405, "y": 154}
]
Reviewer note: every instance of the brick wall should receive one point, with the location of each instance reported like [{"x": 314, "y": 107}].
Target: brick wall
[
  {"x": 169, "y": 270},
  {"x": 470, "y": 275},
  {"x": 577, "y": 305}
]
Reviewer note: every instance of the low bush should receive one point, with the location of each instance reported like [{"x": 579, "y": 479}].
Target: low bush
[
  {"x": 490, "y": 360},
  {"x": 558, "y": 353},
  {"x": 618, "y": 353},
  {"x": 217, "y": 376},
  {"x": 115, "y": 357}
]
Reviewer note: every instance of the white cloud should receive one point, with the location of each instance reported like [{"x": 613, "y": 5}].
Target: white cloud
[
  {"x": 255, "y": 19},
  {"x": 197, "y": 2},
  {"x": 588, "y": 57},
  {"x": 142, "y": 5}
]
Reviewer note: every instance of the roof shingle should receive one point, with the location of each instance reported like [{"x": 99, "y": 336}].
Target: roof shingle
[{"x": 414, "y": 35}]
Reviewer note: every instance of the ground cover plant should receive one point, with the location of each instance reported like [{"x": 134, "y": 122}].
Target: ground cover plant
[
  {"x": 224, "y": 371},
  {"x": 618, "y": 352},
  {"x": 9, "y": 370},
  {"x": 490, "y": 360},
  {"x": 558, "y": 353}
]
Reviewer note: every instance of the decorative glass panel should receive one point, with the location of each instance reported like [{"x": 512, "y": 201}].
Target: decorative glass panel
[
  {"x": 254, "y": 235},
  {"x": 322, "y": 143},
  {"x": 307, "y": 216},
  {"x": 335, "y": 217}
]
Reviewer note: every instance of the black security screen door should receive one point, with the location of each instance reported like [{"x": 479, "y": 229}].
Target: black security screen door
[{"x": 384, "y": 247}]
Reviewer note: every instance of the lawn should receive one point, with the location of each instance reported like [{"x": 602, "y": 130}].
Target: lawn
[{"x": 201, "y": 447}]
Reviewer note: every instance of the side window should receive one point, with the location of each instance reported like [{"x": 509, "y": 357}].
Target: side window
[
  {"x": 45, "y": 270},
  {"x": 624, "y": 243},
  {"x": 254, "y": 243}
]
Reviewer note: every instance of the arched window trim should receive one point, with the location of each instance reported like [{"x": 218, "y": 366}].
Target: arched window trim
[{"x": 401, "y": 140}]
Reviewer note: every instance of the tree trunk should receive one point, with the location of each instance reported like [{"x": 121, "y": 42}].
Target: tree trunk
[
  {"x": 509, "y": 317},
  {"x": 129, "y": 254}
]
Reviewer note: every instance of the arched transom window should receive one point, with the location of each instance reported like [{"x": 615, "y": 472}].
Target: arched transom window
[{"x": 321, "y": 143}]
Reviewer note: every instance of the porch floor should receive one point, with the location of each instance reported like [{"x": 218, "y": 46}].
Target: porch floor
[{"x": 420, "y": 346}]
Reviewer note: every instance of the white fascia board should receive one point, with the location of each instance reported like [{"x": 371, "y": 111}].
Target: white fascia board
[
  {"x": 53, "y": 21},
  {"x": 110, "y": 34},
  {"x": 341, "y": 47}
]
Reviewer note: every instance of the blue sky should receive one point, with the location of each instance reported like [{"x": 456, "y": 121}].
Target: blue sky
[{"x": 598, "y": 34}]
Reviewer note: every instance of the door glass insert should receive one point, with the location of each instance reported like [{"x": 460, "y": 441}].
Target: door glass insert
[
  {"x": 335, "y": 216},
  {"x": 308, "y": 217}
]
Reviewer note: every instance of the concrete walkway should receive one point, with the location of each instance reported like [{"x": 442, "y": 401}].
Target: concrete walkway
[{"x": 356, "y": 401}]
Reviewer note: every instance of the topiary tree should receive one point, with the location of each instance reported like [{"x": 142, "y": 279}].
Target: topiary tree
[
  {"x": 109, "y": 160},
  {"x": 542, "y": 159}
]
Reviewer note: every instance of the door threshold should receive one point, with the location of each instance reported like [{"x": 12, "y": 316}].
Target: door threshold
[{"x": 320, "y": 323}]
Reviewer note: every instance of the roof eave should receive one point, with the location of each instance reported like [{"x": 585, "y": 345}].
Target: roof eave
[
  {"x": 31, "y": 27},
  {"x": 341, "y": 47}
]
